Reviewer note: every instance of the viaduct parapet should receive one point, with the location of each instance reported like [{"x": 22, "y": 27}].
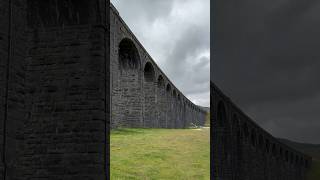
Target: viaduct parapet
[
  {"x": 142, "y": 95},
  {"x": 241, "y": 150}
]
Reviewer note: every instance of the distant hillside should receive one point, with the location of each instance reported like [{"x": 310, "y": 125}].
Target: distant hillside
[{"x": 312, "y": 150}]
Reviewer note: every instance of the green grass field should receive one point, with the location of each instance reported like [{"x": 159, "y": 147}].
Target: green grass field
[{"x": 160, "y": 154}]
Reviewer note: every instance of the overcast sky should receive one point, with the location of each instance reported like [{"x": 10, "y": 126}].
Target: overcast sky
[
  {"x": 176, "y": 33},
  {"x": 267, "y": 59}
]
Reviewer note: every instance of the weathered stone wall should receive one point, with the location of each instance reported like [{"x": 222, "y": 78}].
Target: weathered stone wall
[
  {"x": 142, "y": 95},
  {"x": 16, "y": 99},
  {"x": 4, "y": 24},
  {"x": 54, "y": 89},
  {"x": 242, "y": 150}
]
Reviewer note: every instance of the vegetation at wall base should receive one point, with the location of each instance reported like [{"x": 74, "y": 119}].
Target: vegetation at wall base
[{"x": 160, "y": 154}]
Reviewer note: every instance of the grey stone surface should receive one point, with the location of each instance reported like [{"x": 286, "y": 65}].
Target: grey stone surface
[
  {"x": 142, "y": 95},
  {"x": 242, "y": 150},
  {"x": 54, "y": 89}
]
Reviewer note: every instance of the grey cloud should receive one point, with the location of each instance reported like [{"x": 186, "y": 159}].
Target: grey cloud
[
  {"x": 191, "y": 42},
  {"x": 147, "y": 10},
  {"x": 267, "y": 60}
]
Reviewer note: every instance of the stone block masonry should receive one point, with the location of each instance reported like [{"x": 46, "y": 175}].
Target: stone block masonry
[
  {"x": 54, "y": 77},
  {"x": 142, "y": 95},
  {"x": 242, "y": 150}
]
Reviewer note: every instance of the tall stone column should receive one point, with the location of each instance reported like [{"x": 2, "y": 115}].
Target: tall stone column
[{"x": 56, "y": 112}]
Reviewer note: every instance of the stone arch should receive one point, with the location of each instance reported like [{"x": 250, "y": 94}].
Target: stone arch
[
  {"x": 273, "y": 149},
  {"x": 222, "y": 115},
  {"x": 128, "y": 55},
  {"x": 253, "y": 137},
  {"x": 267, "y": 145},
  {"x": 168, "y": 88},
  {"x": 128, "y": 106},
  {"x": 261, "y": 141},
  {"x": 174, "y": 108},
  {"x": 179, "y": 109},
  {"x": 149, "y": 95},
  {"x": 184, "y": 112},
  {"x": 235, "y": 122},
  {"x": 169, "y": 106},
  {"x": 291, "y": 157},
  {"x": 149, "y": 73},
  {"x": 160, "y": 81},
  {"x": 161, "y": 102},
  {"x": 245, "y": 130}
]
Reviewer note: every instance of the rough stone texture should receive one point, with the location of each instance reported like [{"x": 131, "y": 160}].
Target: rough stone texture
[
  {"x": 54, "y": 89},
  {"x": 241, "y": 150},
  {"x": 142, "y": 95},
  {"x": 4, "y": 24}
]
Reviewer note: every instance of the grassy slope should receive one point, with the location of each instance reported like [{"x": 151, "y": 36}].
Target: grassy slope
[
  {"x": 160, "y": 154},
  {"x": 312, "y": 150}
]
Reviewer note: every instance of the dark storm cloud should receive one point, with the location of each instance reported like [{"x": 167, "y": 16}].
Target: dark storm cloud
[
  {"x": 176, "y": 34},
  {"x": 267, "y": 59}
]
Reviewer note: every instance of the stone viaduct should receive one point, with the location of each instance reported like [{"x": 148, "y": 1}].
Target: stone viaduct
[
  {"x": 56, "y": 81},
  {"x": 241, "y": 150},
  {"x": 142, "y": 95}
]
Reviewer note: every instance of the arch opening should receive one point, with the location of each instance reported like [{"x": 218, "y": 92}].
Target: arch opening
[
  {"x": 222, "y": 116},
  {"x": 253, "y": 138},
  {"x": 245, "y": 130},
  {"x": 129, "y": 87},
  {"x": 169, "y": 105},
  {"x": 160, "y": 81},
  {"x": 149, "y": 72},
  {"x": 274, "y": 152},
  {"x": 149, "y": 88},
  {"x": 168, "y": 88},
  {"x": 161, "y": 102},
  {"x": 260, "y": 141},
  {"x": 128, "y": 55},
  {"x": 267, "y": 146}
]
